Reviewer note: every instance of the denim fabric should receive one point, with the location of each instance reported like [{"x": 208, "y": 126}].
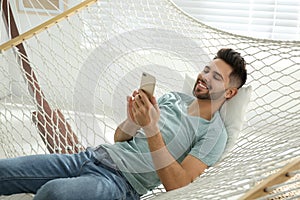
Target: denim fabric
[{"x": 88, "y": 175}]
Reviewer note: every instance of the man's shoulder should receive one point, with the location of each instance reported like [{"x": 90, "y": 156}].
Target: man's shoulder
[
  {"x": 218, "y": 123},
  {"x": 182, "y": 96},
  {"x": 172, "y": 97}
]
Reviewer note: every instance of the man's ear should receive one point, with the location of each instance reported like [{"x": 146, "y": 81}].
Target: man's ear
[{"x": 231, "y": 92}]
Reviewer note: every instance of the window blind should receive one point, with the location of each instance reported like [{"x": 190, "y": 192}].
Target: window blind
[{"x": 268, "y": 19}]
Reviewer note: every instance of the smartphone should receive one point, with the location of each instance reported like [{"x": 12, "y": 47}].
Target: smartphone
[{"x": 148, "y": 82}]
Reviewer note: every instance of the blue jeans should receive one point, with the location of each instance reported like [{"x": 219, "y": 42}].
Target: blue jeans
[{"x": 89, "y": 175}]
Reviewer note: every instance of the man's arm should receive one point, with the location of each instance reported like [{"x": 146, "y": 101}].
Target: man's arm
[
  {"x": 121, "y": 135},
  {"x": 172, "y": 174},
  {"x": 127, "y": 129}
]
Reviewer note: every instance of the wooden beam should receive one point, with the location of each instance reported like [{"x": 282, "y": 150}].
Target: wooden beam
[
  {"x": 55, "y": 131},
  {"x": 275, "y": 179},
  {"x": 25, "y": 36}
]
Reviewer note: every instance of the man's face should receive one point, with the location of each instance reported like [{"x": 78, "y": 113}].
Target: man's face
[{"x": 213, "y": 81}]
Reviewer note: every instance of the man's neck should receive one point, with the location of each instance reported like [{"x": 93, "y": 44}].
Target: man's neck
[{"x": 204, "y": 108}]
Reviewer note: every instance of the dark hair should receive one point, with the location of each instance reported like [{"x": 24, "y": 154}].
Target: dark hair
[{"x": 238, "y": 76}]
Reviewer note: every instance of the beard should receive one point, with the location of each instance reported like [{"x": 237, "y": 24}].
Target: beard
[{"x": 206, "y": 94}]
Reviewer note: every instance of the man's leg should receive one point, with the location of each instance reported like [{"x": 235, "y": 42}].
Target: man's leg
[
  {"x": 27, "y": 174},
  {"x": 94, "y": 182}
]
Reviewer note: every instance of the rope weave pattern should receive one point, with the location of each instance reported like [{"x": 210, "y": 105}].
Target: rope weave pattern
[{"x": 88, "y": 63}]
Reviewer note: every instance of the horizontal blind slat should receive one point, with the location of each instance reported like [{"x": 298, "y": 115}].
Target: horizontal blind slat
[{"x": 265, "y": 18}]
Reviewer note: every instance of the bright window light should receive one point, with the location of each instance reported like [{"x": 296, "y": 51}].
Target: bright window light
[{"x": 267, "y": 19}]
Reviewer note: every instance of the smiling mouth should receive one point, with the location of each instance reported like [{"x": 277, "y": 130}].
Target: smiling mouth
[{"x": 202, "y": 85}]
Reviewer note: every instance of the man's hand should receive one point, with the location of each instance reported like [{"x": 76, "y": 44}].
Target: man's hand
[
  {"x": 127, "y": 129},
  {"x": 129, "y": 126},
  {"x": 145, "y": 112}
]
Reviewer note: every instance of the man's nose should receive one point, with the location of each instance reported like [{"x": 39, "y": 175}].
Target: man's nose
[{"x": 206, "y": 77}]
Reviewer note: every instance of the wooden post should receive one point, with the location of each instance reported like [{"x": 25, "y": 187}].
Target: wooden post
[
  {"x": 55, "y": 131},
  {"x": 275, "y": 179}
]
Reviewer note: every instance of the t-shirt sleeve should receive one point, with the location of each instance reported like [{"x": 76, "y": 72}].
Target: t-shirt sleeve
[
  {"x": 210, "y": 148},
  {"x": 165, "y": 98}
]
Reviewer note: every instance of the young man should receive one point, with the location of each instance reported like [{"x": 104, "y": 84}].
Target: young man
[{"x": 169, "y": 141}]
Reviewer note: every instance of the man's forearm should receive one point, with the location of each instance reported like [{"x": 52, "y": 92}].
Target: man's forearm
[
  {"x": 125, "y": 131},
  {"x": 170, "y": 172},
  {"x": 120, "y": 136}
]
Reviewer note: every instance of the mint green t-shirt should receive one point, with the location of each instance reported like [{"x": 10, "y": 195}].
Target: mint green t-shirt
[{"x": 183, "y": 135}]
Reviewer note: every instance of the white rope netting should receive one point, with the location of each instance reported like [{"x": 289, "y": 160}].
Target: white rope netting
[{"x": 88, "y": 62}]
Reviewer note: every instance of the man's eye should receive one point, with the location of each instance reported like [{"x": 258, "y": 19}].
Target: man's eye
[
  {"x": 217, "y": 77},
  {"x": 206, "y": 69}
]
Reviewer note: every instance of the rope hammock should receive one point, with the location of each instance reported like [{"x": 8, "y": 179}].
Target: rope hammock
[{"x": 65, "y": 75}]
